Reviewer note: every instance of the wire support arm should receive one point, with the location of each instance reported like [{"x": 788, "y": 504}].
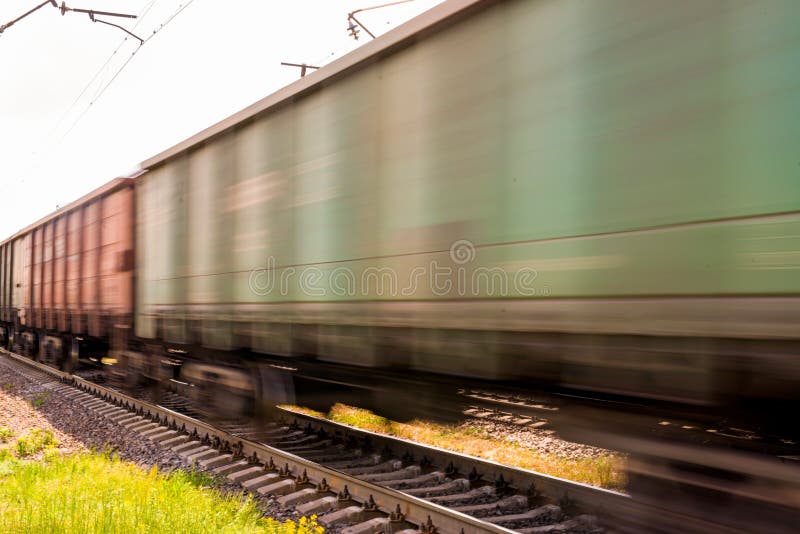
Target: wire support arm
[
  {"x": 64, "y": 8},
  {"x": 7, "y": 25},
  {"x": 92, "y": 16},
  {"x": 351, "y": 18}
]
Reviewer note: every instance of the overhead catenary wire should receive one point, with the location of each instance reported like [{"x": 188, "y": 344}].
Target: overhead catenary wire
[
  {"x": 7, "y": 25},
  {"x": 105, "y": 87},
  {"x": 102, "y": 89},
  {"x": 352, "y": 20},
  {"x": 139, "y": 19},
  {"x": 64, "y": 8},
  {"x": 141, "y": 15}
]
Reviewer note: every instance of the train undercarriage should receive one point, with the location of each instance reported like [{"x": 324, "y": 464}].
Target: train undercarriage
[{"x": 744, "y": 378}]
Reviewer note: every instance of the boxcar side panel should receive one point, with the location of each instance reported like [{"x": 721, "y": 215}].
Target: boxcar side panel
[
  {"x": 35, "y": 302},
  {"x": 4, "y": 285},
  {"x": 48, "y": 275},
  {"x": 6, "y": 282},
  {"x": 147, "y": 231},
  {"x": 73, "y": 269},
  {"x": 21, "y": 276},
  {"x": 90, "y": 231},
  {"x": 115, "y": 253},
  {"x": 59, "y": 274}
]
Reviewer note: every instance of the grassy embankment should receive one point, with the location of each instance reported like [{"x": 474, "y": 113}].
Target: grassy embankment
[
  {"x": 44, "y": 491},
  {"x": 606, "y": 471}
]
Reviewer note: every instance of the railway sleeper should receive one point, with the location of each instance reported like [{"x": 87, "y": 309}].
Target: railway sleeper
[
  {"x": 265, "y": 479},
  {"x": 416, "y": 482},
  {"x": 506, "y": 505},
  {"x": 480, "y": 495},
  {"x": 452, "y": 486},
  {"x": 549, "y": 513},
  {"x": 583, "y": 524},
  {"x": 383, "y": 467}
]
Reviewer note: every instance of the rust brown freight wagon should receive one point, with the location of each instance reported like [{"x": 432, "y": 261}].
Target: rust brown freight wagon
[{"x": 67, "y": 280}]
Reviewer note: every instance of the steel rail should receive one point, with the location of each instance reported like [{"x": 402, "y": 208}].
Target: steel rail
[
  {"x": 589, "y": 498},
  {"x": 416, "y": 511}
]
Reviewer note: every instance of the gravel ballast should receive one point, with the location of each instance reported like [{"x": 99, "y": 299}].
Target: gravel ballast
[
  {"x": 543, "y": 440},
  {"x": 26, "y": 404}
]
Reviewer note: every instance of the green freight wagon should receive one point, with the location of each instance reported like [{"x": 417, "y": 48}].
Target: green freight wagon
[{"x": 600, "y": 194}]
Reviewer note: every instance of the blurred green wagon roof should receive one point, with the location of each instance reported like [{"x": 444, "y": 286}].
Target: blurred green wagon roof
[{"x": 432, "y": 21}]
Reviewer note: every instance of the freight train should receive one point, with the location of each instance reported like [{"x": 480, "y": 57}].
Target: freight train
[
  {"x": 601, "y": 196},
  {"x": 67, "y": 280}
]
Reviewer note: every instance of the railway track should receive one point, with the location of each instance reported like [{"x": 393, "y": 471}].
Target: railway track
[
  {"x": 355, "y": 481},
  {"x": 556, "y": 411}
]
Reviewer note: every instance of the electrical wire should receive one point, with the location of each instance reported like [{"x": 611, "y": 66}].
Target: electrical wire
[
  {"x": 102, "y": 90},
  {"x": 140, "y": 16}
]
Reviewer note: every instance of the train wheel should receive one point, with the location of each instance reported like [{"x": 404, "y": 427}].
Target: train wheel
[
  {"x": 273, "y": 386},
  {"x": 70, "y": 349},
  {"x": 30, "y": 345}
]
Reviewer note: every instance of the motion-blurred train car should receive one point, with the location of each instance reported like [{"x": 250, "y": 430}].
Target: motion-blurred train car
[
  {"x": 66, "y": 281},
  {"x": 604, "y": 195},
  {"x": 598, "y": 195}
]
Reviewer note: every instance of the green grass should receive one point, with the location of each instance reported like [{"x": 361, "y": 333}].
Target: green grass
[
  {"x": 5, "y": 434},
  {"x": 40, "y": 399},
  {"x": 34, "y": 442},
  {"x": 606, "y": 471},
  {"x": 200, "y": 478},
  {"x": 97, "y": 493}
]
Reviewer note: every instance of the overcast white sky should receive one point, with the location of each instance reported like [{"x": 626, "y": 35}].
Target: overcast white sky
[{"x": 210, "y": 61}]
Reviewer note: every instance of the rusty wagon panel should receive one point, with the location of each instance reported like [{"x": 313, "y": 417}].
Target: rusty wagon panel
[{"x": 72, "y": 271}]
